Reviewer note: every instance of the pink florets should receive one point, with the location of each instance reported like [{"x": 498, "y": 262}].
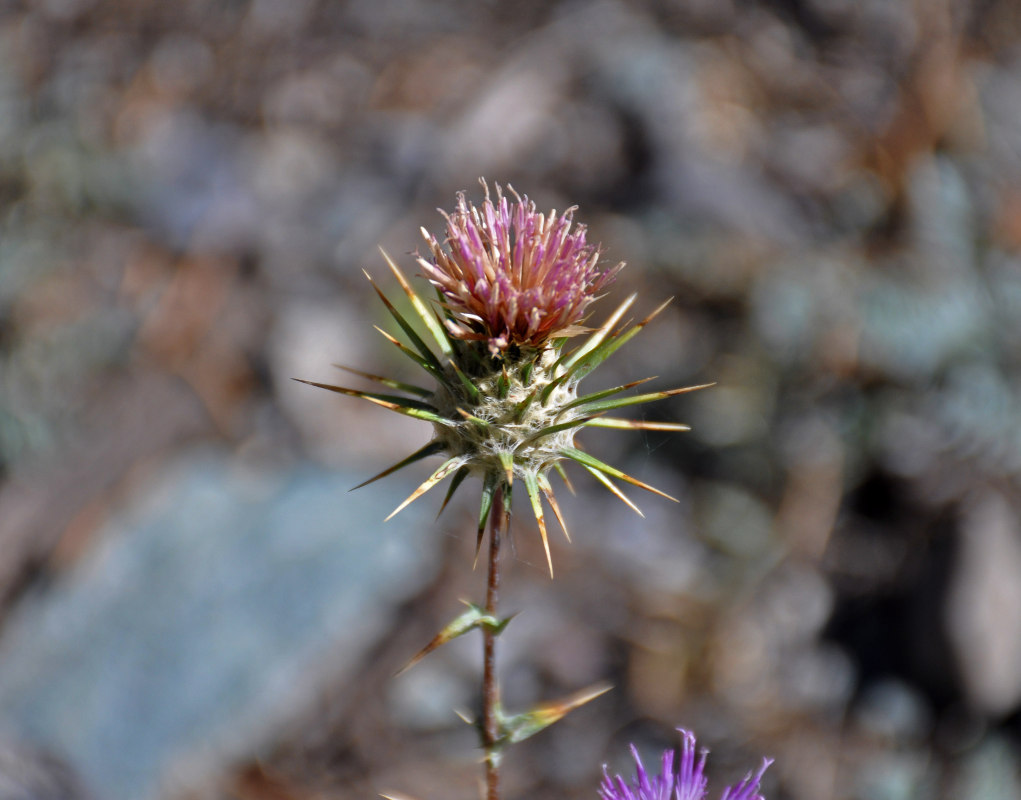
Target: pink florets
[{"x": 511, "y": 275}]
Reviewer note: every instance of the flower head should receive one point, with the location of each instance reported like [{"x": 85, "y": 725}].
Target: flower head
[
  {"x": 505, "y": 405},
  {"x": 688, "y": 782},
  {"x": 512, "y": 275}
]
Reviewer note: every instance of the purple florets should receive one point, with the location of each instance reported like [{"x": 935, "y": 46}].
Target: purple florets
[
  {"x": 511, "y": 275},
  {"x": 686, "y": 783}
]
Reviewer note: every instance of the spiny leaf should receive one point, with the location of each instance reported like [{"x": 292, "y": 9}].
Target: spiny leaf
[
  {"x": 432, "y": 448},
  {"x": 507, "y": 490},
  {"x": 445, "y": 469},
  {"x": 591, "y": 398},
  {"x": 563, "y": 356},
  {"x": 409, "y": 331},
  {"x": 550, "y": 387},
  {"x": 472, "y": 418},
  {"x": 428, "y": 319},
  {"x": 474, "y": 617},
  {"x": 488, "y": 493},
  {"x": 636, "y": 425},
  {"x": 522, "y": 407},
  {"x": 469, "y": 387},
  {"x": 592, "y": 461},
  {"x": 404, "y": 387},
  {"x": 598, "y": 355},
  {"x": 563, "y": 476},
  {"x": 601, "y": 333},
  {"x": 435, "y": 371},
  {"x": 614, "y": 490},
  {"x": 394, "y": 399},
  {"x": 507, "y": 459},
  {"x": 621, "y": 402},
  {"x": 519, "y": 727},
  {"x": 441, "y": 299},
  {"x": 497, "y": 626},
  {"x": 547, "y": 490},
  {"x": 532, "y": 485},
  {"x": 466, "y": 351},
  {"x": 576, "y": 422},
  {"x": 401, "y": 405},
  {"x": 456, "y": 481},
  {"x": 526, "y": 371}
]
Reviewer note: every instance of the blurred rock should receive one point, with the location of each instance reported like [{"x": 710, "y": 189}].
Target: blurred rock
[
  {"x": 989, "y": 772},
  {"x": 892, "y": 775},
  {"x": 31, "y": 774},
  {"x": 895, "y": 712},
  {"x": 207, "y": 616},
  {"x": 984, "y": 610}
]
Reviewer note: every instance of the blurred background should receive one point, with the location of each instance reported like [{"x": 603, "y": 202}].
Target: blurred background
[{"x": 193, "y": 607}]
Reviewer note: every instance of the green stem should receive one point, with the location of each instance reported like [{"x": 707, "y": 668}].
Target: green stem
[{"x": 498, "y": 525}]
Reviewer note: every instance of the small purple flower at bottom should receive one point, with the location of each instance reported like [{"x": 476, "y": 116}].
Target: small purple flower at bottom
[{"x": 686, "y": 783}]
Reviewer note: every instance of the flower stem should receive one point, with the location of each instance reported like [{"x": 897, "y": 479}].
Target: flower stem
[{"x": 499, "y": 523}]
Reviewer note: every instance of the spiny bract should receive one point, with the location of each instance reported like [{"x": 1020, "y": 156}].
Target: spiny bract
[{"x": 513, "y": 286}]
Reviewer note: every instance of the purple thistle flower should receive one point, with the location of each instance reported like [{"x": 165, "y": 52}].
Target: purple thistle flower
[
  {"x": 511, "y": 275},
  {"x": 687, "y": 783}
]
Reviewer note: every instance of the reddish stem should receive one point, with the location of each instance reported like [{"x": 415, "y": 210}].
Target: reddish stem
[{"x": 498, "y": 526}]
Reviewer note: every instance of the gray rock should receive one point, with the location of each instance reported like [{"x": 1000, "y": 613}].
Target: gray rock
[
  {"x": 984, "y": 605},
  {"x": 31, "y": 774},
  {"x": 207, "y": 615}
]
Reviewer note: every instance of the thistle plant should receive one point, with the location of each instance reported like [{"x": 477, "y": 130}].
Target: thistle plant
[{"x": 505, "y": 347}]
